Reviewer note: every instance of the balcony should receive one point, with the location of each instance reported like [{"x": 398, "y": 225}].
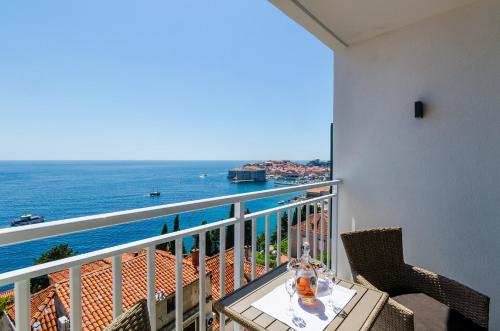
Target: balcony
[{"x": 176, "y": 297}]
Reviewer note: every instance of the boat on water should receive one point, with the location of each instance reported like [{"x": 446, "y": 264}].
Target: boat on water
[
  {"x": 27, "y": 220},
  {"x": 155, "y": 194},
  {"x": 203, "y": 175}
]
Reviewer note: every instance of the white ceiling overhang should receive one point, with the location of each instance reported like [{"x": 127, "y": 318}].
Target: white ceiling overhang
[{"x": 340, "y": 23}]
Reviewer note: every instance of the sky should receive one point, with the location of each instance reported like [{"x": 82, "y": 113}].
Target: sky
[{"x": 161, "y": 80}]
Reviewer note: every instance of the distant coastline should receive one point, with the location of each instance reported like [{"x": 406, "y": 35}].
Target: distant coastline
[{"x": 284, "y": 172}]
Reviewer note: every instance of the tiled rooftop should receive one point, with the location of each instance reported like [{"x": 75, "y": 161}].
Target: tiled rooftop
[
  {"x": 213, "y": 264},
  {"x": 43, "y": 309},
  {"x": 60, "y": 276},
  {"x": 97, "y": 287}
]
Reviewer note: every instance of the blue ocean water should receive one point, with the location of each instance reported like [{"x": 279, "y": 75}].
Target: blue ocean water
[{"x": 66, "y": 189}]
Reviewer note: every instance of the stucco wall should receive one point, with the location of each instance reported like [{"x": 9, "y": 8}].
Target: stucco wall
[{"x": 437, "y": 177}]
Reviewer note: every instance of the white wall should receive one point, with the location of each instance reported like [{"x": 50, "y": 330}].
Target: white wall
[{"x": 437, "y": 177}]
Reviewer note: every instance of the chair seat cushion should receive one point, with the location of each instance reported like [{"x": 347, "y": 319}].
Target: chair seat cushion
[{"x": 430, "y": 314}]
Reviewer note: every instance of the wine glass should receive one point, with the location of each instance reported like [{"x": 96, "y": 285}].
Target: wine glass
[
  {"x": 329, "y": 276},
  {"x": 290, "y": 288}
]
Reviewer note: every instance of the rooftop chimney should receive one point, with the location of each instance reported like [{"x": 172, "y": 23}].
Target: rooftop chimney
[{"x": 195, "y": 257}]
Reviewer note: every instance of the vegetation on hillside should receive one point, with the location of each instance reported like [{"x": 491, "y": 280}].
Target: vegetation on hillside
[
  {"x": 55, "y": 253},
  {"x": 5, "y": 302}
]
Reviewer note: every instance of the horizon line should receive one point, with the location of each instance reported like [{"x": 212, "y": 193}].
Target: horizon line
[{"x": 157, "y": 160}]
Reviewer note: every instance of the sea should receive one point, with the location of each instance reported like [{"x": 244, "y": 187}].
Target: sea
[{"x": 65, "y": 189}]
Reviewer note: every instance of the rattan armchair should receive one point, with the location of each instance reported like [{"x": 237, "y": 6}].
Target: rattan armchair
[
  {"x": 376, "y": 260},
  {"x": 134, "y": 319}
]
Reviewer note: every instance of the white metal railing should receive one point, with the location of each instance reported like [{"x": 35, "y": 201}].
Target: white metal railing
[{"x": 21, "y": 277}]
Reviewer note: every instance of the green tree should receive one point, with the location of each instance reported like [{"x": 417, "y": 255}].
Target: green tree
[
  {"x": 5, "y": 302},
  {"x": 177, "y": 226},
  {"x": 210, "y": 246},
  {"x": 284, "y": 225},
  {"x": 248, "y": 230},
  {"x": 166, "y": 245},
  {"x": 261, "y": 241},
  {"x": 55, "y": 253},
  {"x": 230, "y": 230}
]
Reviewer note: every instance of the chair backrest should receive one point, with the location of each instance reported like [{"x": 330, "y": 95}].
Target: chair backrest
[
  {"x": 376, "y": 254},
  {"x": 134, "y": 319}
]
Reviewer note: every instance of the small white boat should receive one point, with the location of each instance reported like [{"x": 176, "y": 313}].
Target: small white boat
[{"x": 27, "y": 220}]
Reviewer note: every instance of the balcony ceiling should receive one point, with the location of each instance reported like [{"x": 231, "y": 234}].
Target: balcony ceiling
[{"x": 340, "y": 23}]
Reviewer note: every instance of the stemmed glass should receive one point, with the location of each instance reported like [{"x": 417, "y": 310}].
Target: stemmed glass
[
  {"x": 329, "y": 276},
  {"x": 290, "y": 288}
]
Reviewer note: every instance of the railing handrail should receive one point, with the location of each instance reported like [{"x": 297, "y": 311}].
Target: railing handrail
[
  {"x": 50, "y": 267},
  {"x": 10, "y": 236}
]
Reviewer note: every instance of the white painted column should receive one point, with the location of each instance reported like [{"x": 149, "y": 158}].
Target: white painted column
[
  {"x": 201, "y": 282},
  {"x": 179, "y": 301},
  {"x": 278, "y": 239},
  {"x": 254, "y": 249},
  {"x": 222, "y": 270},
  {"x": 289, "y": 235},
  {"x": 239, "y": 213},
  {"x": 75, "y": 298},
  {"x": 267, "y": 243},
  {"x": 117, "y": 285},
  {"x": 22, "y": 305},
  {"x": 151, "y": 286}
]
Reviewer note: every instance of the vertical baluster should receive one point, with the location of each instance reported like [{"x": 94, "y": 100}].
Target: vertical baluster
[
  {"x": 289, "y": 235},
  {"x": 315, "y": 230},
  {"x": 334, "y": 225},
  {"x": 239, "y": 228},
  {"x": 328, "y": 233},
  {"x": 336, "y": 228},
  {"x": 254, "y": 249},
  {"x": 75, "y": 298},
  {"x": 239, "y": 213},
  {"x": 201, "y": 282},
  {"x": 322, "y": 230},
  {"x": 179, "y": 300},
  {"x": 266, "y": 248},
  {"x": 117, "y": 285},
  {"x": 278, "y": 239},
  {"x": 150, "y": 284},
  {"x": 299, "y": 231},
  {"x": 307, "y": 224},
  {"x": 222, "y": 269},
  {"x": 22, "y": 305}
]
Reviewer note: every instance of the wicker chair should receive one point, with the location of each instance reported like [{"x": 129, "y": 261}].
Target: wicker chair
[
  {"x": 376, "y": 260},
  {"x": 134, "y": 319}
]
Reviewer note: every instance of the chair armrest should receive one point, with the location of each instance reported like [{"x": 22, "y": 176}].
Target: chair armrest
[
  {"x": 463, "y": 299},
  {"x": 363, "y": 281},
  {"x": 394, "y": 316}
]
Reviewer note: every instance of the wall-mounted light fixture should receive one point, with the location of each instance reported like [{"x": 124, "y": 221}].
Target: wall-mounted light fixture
[{"x": 419, "y": 109}]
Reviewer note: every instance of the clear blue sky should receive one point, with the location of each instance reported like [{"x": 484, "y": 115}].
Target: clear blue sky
[{"x": 161, "y": 80}]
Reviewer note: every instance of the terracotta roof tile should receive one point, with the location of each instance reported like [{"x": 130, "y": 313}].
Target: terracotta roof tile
[
  {"x": 97, "y": 287},
  {"x": 213, "y": 265},
  {"x": 43, "y": 309},
  {"x": 60, "y": 276}
]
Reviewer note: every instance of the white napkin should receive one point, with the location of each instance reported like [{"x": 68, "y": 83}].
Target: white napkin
[{"x": 306, "y": 317}]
